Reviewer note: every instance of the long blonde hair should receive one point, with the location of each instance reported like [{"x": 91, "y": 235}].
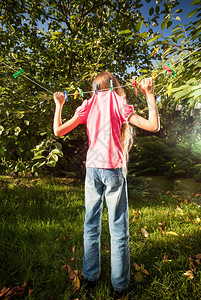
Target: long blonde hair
[{"x": 103, "y": 82}]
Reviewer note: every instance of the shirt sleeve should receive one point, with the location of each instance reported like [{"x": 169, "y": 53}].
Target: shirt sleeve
[
  {"x": 82, "y": 112},
  {"x": 128, "y": 111}
]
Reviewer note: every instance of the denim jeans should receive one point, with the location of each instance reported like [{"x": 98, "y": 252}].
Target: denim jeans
[{"x": 111, "y": 184}]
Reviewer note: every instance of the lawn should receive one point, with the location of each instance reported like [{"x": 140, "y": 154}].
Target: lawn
[{"x": 41, "y": 234}]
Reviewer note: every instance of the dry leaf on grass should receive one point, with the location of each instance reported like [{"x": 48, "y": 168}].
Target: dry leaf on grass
[
  {"x": 73, "y": 249},
  {"x": 13, "y": 293},
  {"x": 74, "y": 275},
  {"x": 189, "y": 274},
  {"x": 135, "y": 213},
  {"x": 161, "y": 229},
  {"x": 137, "y": 268},
  {"x": 144, "y": 232},
  {"x": 198, "y": 256},
  {"x": 140, "y": 270},
  {"x": 144, "y": 271},
  {"x": 165, "y": 258},
  {"x": 138, "y": 277},
  {"x": 191, "y": 262},
  {"x": 171, "y": 233},
  {"x": 76, "y": 283}
]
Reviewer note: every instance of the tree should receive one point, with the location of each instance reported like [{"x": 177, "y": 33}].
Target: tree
[{"x": 63, "y": 44}]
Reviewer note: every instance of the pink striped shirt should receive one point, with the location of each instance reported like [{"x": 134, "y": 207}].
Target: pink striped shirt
[{"x": 104, "y": 114}]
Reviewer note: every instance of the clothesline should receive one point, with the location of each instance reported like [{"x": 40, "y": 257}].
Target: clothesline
[{"x": 86, "y": 92}]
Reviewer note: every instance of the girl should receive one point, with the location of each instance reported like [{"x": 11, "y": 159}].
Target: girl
[{"x": 106, "y": 116}]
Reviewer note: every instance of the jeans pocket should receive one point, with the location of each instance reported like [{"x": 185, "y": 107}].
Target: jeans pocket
[{"x": 115, "y": 177}]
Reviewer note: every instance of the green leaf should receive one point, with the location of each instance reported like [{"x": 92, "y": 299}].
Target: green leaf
[
  {"x": 195, "y": 2},
  {"x": 152, "y": 39},
  {"x": 169, "y": 23},
  {"x": 157, "y": 9},
  {"x": 58, "y": 152},
  {"x": 125, "y": 31},
  {"x": 192, "y": 13},
  {"x": 139, "y": 25},
  {"x": 51, "y": 163},
  {"x": 197, "y": 93},
  {"x": 151, "y": 11},
  {"x": 182, "y": 87},
  {"x": 183, "y": 93},
  {"x": 38, "y": 157},
  {"x": 143, "y": 71},
  {"x": 128, "y": 38},
  {"x": 177, "y": 11},
  {"x": 165, "y": 21},
  {"x": 143, "y": 35}
]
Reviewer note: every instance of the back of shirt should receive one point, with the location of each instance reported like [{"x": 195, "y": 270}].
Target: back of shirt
[{"x": 104, "y": 114}]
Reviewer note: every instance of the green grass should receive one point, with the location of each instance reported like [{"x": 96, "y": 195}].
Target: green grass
[{"x": 42, "y": 219}]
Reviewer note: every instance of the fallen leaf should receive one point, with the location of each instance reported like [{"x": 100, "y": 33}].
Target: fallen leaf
[
  {"x": 189, "y": 247},
  {"x": 197, "y": 220},
  {"x": 72, "y": 259},
  {"x": 197, "y": 261},
  {"x": 24, "y": 285},
  {"x": 58, "y": 239},
  {"x": 64, "y": 267},
  {"x": 31, "y": 291},
  {"x": 144, "y": 232},
  {"x": 167, "y": 192},
  {"x": 137, "y": 268},
  {"x": 165, "y": 257},
  {"x": 171, "y": 233},
  {"x": 186, "y": 201},
  {"x": 189, "y": 274},
  {"x": 161, "y": 223},
  {"x": 74, "y": 276},
  {"x": 134, "y": 220},
  {"x": 197, "y": 195},
  {"x": 180, "y": 210},
  {"x": 198, "y": 256},
  {"x": 13, "y": 293},
  {"x": 135, "y": 213},
  {"x": 73, "y": 249},
  {"x": 193, "y": 268},
  {"x": 76, "y": 283},
  {"x": 144, "y": 271},
  {"x": 4, "y": 291},
  {"x": 161, "y": 229},
  {"x": 138, "y": 277}
]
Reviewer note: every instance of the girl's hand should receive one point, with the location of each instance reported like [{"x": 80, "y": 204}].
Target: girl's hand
[
  {"x": 59, "y": 98},
  {"x": 147, "y": 86}
]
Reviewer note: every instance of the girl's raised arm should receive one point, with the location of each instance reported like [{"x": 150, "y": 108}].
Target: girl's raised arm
[
  {"x": 59, "y": 128},
  {"x": 153, "y": 122}
]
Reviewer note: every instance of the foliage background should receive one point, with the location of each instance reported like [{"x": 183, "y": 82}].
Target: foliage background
[{"x": 63, "y": 44}]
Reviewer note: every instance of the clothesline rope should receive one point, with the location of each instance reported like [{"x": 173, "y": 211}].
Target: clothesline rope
[{"x": 70, "y": 94}]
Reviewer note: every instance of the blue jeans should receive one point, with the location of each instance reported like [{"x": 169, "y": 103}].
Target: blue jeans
[{"x": 112, "y": 184}]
